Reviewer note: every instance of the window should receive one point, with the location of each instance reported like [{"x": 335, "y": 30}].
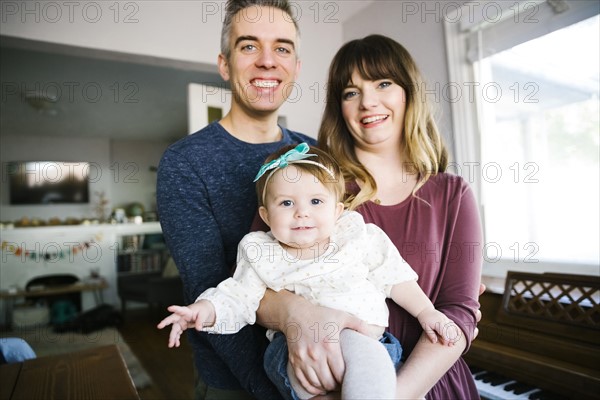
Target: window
[{"x": 532, "y": 126}]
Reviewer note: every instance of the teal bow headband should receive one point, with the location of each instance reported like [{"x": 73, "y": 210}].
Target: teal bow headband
[{"x": 296, "y": 155}]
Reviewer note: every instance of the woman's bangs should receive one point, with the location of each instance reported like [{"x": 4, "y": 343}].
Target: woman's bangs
[{"x": 372, "y": 66}]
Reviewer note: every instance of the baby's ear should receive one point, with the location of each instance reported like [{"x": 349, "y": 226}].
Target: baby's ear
[
  {"x": 264, "y": 214},
  {"x": 339, "y": 209}
]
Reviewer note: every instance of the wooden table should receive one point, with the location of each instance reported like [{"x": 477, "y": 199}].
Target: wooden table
[
  {"x": 82, "y": 286},
  {"x": 98, "y": 373}
]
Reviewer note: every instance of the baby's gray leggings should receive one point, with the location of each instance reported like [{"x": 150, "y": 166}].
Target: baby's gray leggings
[{"x": 370, "y": 373}]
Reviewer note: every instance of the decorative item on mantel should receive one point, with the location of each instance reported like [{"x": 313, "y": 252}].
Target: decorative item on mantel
[
  {"x": 119, "y": 215},
  {"x": 135, "y": 212},
  {"x": 26, "y": 222},
  {"x": 7, "y": 225},
  {"x": 101, "y": 206}
]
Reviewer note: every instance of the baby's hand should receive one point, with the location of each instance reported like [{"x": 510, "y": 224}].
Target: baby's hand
[
  {"x": 437, "y": 326},
  {"x": 181, "y": 319},
  {"x": 197, "y": 315}
]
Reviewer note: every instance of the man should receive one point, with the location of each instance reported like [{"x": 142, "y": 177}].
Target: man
[{"x": 205, "y": 192}]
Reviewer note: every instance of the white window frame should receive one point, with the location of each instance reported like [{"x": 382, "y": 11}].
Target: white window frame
[{"x": 459, "y": 24}]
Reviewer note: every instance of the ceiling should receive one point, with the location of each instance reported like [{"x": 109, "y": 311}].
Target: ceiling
[{"x": 65, "y": 91}]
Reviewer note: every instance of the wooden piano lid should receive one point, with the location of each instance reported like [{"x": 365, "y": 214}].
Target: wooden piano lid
[
  {"x": 543, "y": 332},
  {"x": 563, "y": 305}
]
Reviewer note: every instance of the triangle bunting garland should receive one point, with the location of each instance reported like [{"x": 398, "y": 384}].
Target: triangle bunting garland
[{"x": 51, "y": 251}]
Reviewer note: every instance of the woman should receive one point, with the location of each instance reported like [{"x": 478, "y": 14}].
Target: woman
[{"x": 378, "y": 126}]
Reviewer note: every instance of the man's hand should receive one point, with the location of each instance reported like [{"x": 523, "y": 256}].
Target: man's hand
[{"x": 314, "y": 346}]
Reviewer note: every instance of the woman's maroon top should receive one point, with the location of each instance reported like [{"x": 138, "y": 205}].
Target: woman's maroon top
[{"x": 438, "y": 232}]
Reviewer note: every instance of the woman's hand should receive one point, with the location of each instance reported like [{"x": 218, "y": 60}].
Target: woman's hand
[{"x": 478, "y": 312}]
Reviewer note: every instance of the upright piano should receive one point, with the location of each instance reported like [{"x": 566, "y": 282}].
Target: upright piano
[{"x": 540, "y": 339}]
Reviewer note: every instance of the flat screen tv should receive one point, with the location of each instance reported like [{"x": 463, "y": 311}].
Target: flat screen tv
[{"x": 48, "y": 182}]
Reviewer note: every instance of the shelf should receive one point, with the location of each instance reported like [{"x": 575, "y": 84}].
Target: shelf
[
  {"x": 141, "y": 256},
  {"x": 141, "y": 261}
]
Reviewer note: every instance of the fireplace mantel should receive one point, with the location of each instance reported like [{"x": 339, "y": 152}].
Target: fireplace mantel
[{"x": 118, "y": 229}]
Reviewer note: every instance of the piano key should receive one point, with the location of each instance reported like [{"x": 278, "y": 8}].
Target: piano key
[
  {"x": 487, "y": 378},
  {"x": 493, "y": 386},
  {"x": 476, "y": 370},
  {"x": 490, "y": 392},
  {"x": 520, "y": 388},
  {"x": 500, "y": 380},
  {"x": 495, "y": 379},
  {"x": 545, "y": 395},
  {"x": 479, "y": 376}
]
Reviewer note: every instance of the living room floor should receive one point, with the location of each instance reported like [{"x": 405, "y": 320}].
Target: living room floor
[{"x": 171, "y": 370}]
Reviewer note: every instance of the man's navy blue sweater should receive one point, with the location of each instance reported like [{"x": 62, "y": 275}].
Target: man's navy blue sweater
[{"x": 206, "y": 203}]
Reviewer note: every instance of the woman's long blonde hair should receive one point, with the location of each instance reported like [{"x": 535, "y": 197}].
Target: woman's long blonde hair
[{"x": 378, "y": 57}]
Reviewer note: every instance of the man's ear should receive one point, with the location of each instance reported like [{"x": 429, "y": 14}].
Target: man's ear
[
  {"x": 264, "y": 214},
  {"x": 223, "y": 67}
]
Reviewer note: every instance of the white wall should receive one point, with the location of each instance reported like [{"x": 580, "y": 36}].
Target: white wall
[
  {"x": 418, "y": 27},
  {"x": 136, "y": 178},
  {"x": 200, "y": 98}
]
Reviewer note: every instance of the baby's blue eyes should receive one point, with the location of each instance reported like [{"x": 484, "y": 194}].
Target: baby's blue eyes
[{"x": 289, "y": 203}]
